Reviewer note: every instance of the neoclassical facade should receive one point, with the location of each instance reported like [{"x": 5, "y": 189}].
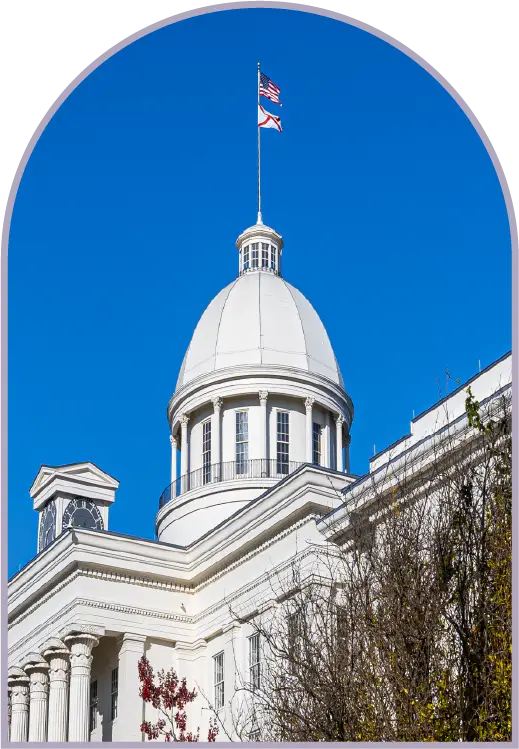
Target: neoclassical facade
[{"x": 260, "y": 474}]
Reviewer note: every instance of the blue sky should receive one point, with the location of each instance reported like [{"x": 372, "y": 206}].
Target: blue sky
[{"x": 394, "y": 224}]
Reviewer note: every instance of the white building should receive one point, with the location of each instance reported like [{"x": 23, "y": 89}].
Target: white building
[{"x": 261, "y": 420}]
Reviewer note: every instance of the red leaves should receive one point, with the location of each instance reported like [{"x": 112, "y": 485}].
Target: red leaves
[{"x": 169, "y": 695}]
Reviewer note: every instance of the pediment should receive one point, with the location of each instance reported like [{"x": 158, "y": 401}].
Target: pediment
[{"x": 87, "y": 473}]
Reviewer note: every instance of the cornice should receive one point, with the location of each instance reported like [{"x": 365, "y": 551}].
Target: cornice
[
  {"x": 100, "y": 605},
  {"x": 233, "y": 536},
  {"x": 148, "y": 582},
  {"x": 250, "y": 378}
]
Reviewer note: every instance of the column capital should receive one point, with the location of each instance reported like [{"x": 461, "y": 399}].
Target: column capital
[
  {"x": 81, "y": 645},
  {"x": 339, "y": 420},
  {"x": 131, "y": 641},
  {"x": 263, "y": 396},
  {"x": 35, "y": 663},
  {"x": 309, "y": 403},
  {"x": 81, "y": 629},
  {"x": 16, "y": 677},
  {"x": 183, "y": 419},
  {"x": 217, "y": 403},
  {"x": 173, "y": 440}
]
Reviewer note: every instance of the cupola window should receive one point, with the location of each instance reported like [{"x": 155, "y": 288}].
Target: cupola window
[
  {"x": 264, "y": 255},
  {"x": 255, "y": 254},
  {"x": 246, "y": 255},
  {"x": 316, "y": 444},
  {"x": 242, "y": 441},
  {"x": 273, "y": 256},
  {"x": 206, "y": 451},
  {"x": 283, "y": 441}
]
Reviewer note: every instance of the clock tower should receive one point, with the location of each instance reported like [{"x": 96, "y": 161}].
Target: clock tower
[{"x": 76, "y": 495}]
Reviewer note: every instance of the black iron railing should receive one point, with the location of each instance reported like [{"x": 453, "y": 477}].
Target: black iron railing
[{"x": 233, "y": 469}]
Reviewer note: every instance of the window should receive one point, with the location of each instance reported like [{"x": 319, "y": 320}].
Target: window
[
  {"x": 114, "y": 693},
  {"x": 255, "y": 254},
  {"x": 294, "y": 632},
  {"x": 219, "y": 694},
  {"x": 206, "y": 451},
  {"x": 242, "y": 441},
  {"x": 316, "y": 444},
  {"x": 246, "y": 251},
  {"x": 93, "y": 705},
  {"x": 254, "y": 660},
  {"x": 282, "y": 442},
  {"x": 264, "y": 255},
  {"x": 273, "y": 253}
]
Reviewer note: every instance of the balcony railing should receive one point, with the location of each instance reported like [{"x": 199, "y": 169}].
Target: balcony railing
[{"x": 233, "y": 469}]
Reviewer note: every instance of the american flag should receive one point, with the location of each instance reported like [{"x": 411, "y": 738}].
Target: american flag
[{"x": 268, "y": 89}]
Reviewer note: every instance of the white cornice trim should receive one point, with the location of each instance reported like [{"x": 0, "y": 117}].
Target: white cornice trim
[
  {"x": 155, "y": 564},
  {"x": 247, "y": 379}
]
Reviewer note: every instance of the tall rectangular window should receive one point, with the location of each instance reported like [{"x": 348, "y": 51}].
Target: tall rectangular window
[
  {"x": 246, "y": 256},
  {"x": 264, "y": 255},
  {"x": 273, "y": 256},
  {"x": 316, "y": 444},
  {"x": 283, "y": 439},
  {"x": 219, "y": 694},
  {"x": 242, "y": 441},
  {"x": 93, "y": 706},
  {"x": 114, "y": 694},
  {"x": 254, "y": 660},
  {"x": 294, "y": 632},
  {"x": 255, "y": 254},
  {"x": 206, "y": 451}
]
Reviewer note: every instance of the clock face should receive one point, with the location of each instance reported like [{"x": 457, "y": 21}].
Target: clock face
[
  {"x": 82, "y": 513},
  {"x": 48, "y": 526}
]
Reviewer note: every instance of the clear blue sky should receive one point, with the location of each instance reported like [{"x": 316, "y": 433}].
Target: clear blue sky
[{"x": 394, "y": 224}]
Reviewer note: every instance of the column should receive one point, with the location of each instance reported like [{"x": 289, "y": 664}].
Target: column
[
  {"x": 309, "y": 404},
  {"x": 80, "y": 666},
  {"x": 339, "y": 421},
  {"x": 215, "y": 438},
  {"x": 37, "y": 669},
  {"x": 58, "y": 660},
  {"x": 129, "y": 705},
  {"x": 19, "y": 684},
  {"x": 8, "y": 711},
  {"x": 347, "y": 442},
  {"x": 184, "y": 453},
  {"x": 326, "y": 441},
  {"x": 263, "y": 397},
  {"x": 174, "y": 445}
]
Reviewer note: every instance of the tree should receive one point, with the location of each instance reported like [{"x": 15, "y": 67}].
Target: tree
[
  {"x": 401, "y": 629},
  {"x": 169, "y": 695}
]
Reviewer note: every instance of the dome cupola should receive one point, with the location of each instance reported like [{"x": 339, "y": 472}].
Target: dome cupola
[
  {"x": 259, "y": 248},
  {"x": 259, "y": 394}
]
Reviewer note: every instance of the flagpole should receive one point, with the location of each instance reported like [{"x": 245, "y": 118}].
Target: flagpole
[{"x": 260, "y": 221}]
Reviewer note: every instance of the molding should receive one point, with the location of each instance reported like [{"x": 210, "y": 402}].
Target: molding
[
  {"x": 102, "y": 575},
  {"x": 248, "y": 379},
  {"x": 197, "y": 561},
  {"x": 103, "y": 606}
]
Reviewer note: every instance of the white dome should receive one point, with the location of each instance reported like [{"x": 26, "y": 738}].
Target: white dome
[{"x": 259, "y": 319}]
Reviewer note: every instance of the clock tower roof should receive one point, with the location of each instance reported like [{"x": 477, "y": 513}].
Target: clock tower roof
[{"x": 84, "y": 479}]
